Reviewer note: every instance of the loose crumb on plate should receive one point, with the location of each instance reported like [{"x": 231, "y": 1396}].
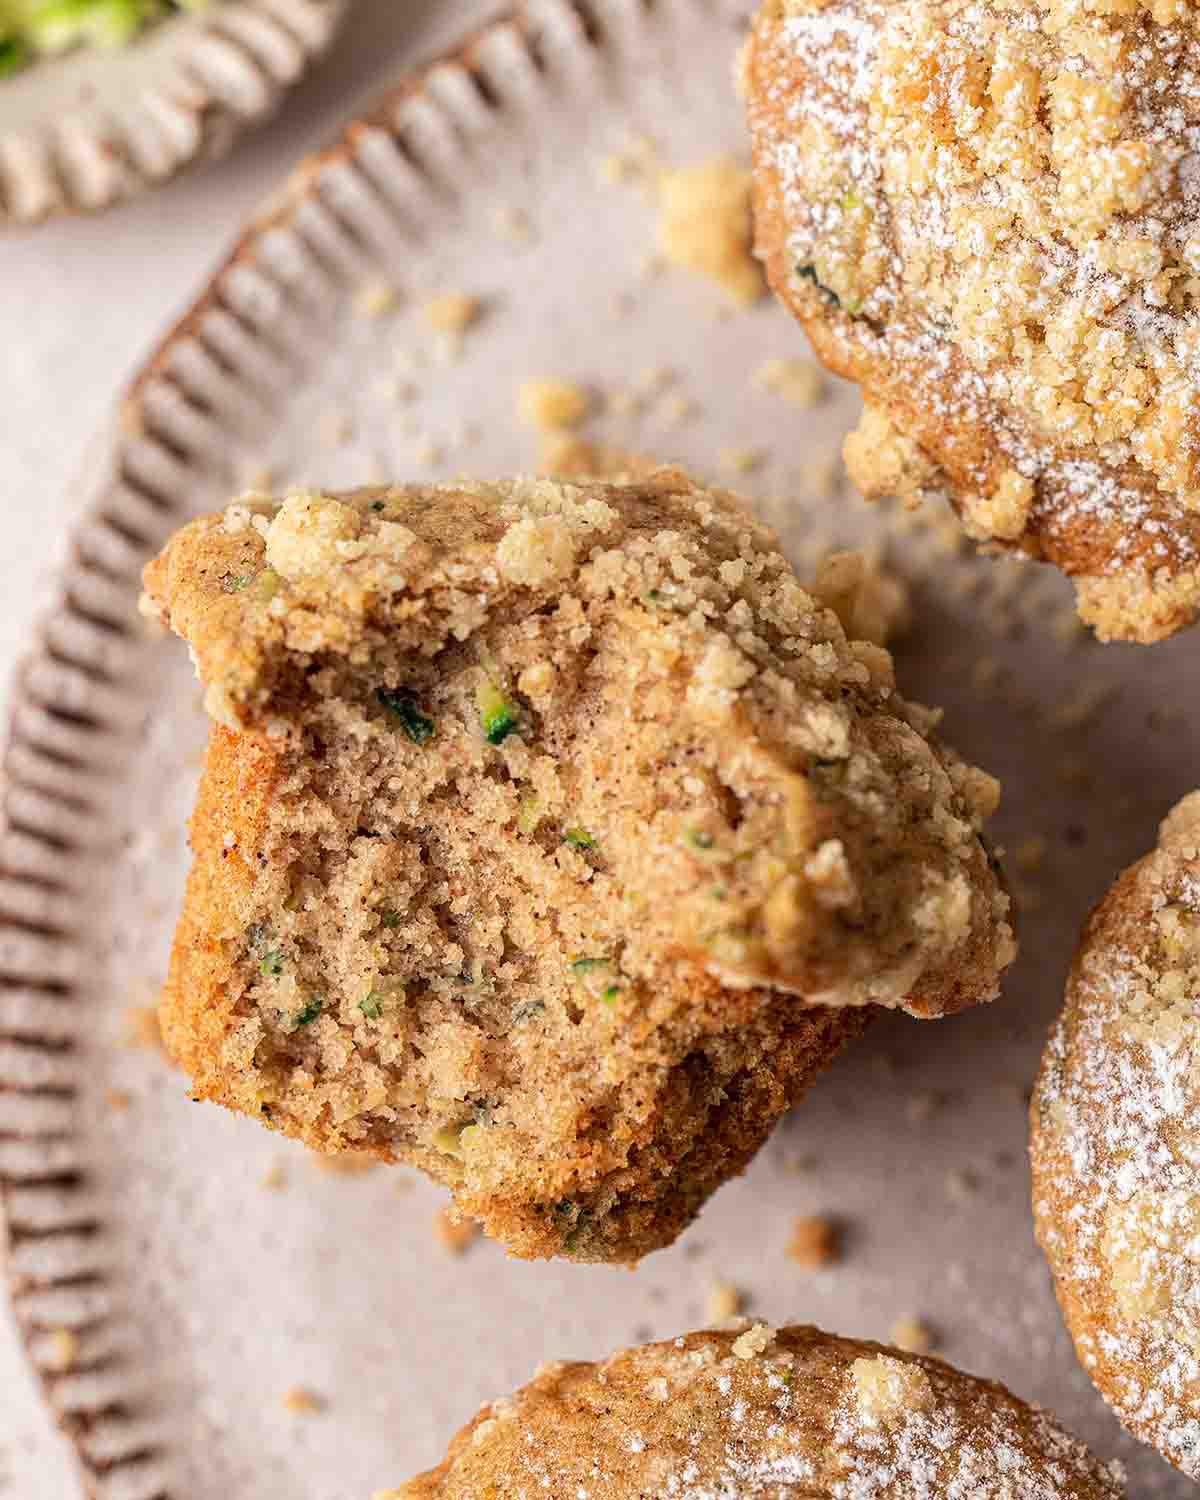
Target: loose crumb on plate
[
  {"x": 741, "y": 460},
  {"x": 797, "y": 380},
  {"x": 453, "y": 1232},
  {"x": 816, "y": 1242},
  {"x": 913, "y": 1336},
  {"x": 343, "y": 1164},
  {"x": 872, "y": 602},
  {"x": 142, "y": 1028},
  {"x": 552, "y": 405},
  {"x": 453, "y": 312},
  {"x": 299, "y": 1400},
  {"x": 705, "y": 226},
  {"x": 375, "y": 299},
  {"x": 724, "y": 1301},
  {"x": 64, "y": 1349}
]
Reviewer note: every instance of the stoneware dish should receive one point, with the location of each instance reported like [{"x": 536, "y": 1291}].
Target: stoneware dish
[
  {"x": 85, "y": 130},
  {"x": 212, "y": 1316}
]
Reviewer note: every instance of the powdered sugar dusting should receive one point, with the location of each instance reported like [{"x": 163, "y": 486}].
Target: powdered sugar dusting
[
  {"x": 803, "y": 1414},
  {"x": 1003, "y": 201},
  {"x": 1115, "y": 1150}
]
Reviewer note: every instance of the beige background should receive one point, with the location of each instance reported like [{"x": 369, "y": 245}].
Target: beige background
[
  {"x": 81, "y": 303},
  {"x": 936, "y": 1201}
]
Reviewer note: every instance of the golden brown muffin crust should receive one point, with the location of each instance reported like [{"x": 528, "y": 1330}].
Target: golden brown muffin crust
[
  {"x": 1114, "y": 1145},
  {"x": 552, "y": 839},
  {"x": 774, "y": 1414},
  {"x": 981, "y": 213}
]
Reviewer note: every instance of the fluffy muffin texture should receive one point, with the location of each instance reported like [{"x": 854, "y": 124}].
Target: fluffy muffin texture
[
  {"x": 1115, "y": 1145},
  {"x": 986, "y": 214},
  {"x": 551, "y": 838},
  {"x": 754, "y": 1412}
]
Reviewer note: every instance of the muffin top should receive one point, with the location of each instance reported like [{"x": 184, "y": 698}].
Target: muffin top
[
  {"x": 758, "y": 1412},
  {"x": 1115, "y": 1144},
  {"x": 994, "y": 202}
]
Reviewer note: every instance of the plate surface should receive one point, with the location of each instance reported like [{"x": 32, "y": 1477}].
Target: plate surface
[
  {"x": 190, "y": 1269},
  {"x": 83, "y": 131}
]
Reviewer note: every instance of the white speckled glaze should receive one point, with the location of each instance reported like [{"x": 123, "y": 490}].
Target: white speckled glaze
[
  {"x": 79, "y": 133},
  {"x": 199, "y": 1294}
]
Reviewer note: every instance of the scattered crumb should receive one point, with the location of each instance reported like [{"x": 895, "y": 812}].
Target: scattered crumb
[
  {"x": 64, "y": 1349},
  {"x": 815, "y": 1242},
  {"x": 552, "y": 405},
  {"x": 913, "y": 1336},
  {"x": 513, "y": 224},
  {"x": 347, "y": 1164},
  {"x": 261, "y": 481},
  {"x": 797, "y": 380},
  {"x": 753, "y": 1342},
  {"x": 741, "y": 68},
  {"x": 574, "y": 457},
  {"x": 724, "y": 1301},
  {"x": 118, "y": 1100},
  {"x": 961, "y": 1184},
  {"x": 797, "y": 1163},
  {"x": 741, "y": 460},
  {"x": 452, "y": 312},
  {"x": 142, "y": 1028},
  {"x": 303, "y": 1402},
  {"x": 923, "y": 1105},
  {"x": 678, "y": 409},
  {"x": 275, "y": 1177},
  {"x": 638, "y": 161},
  {"x": 1030, "y": 854},
  {"x": 375, "y": 299},
  {"x": 453, "y": 1232},
  {"x": 706, "y": 226},
  {"x": 871, "y": 601}
]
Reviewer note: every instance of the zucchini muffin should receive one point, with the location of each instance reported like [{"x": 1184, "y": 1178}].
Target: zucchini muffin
[
  {"x": 986, "y": 214},
  {"x": 752, "y": 1412},
  {"x": 1115, "y": 1145},
  {"x": 551, "y": 839}
]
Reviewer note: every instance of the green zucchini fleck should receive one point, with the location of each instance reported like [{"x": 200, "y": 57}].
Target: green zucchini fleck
[
  {"x": 403, "y": 707},
  {"x": 305, "y": 1017},
  {"x": 498, "y": 714}
]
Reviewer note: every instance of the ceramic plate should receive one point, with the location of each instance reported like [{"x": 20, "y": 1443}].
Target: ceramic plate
[
  {"x": 85, "y": 130},
  {"x": 176, "y": 1271}
]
